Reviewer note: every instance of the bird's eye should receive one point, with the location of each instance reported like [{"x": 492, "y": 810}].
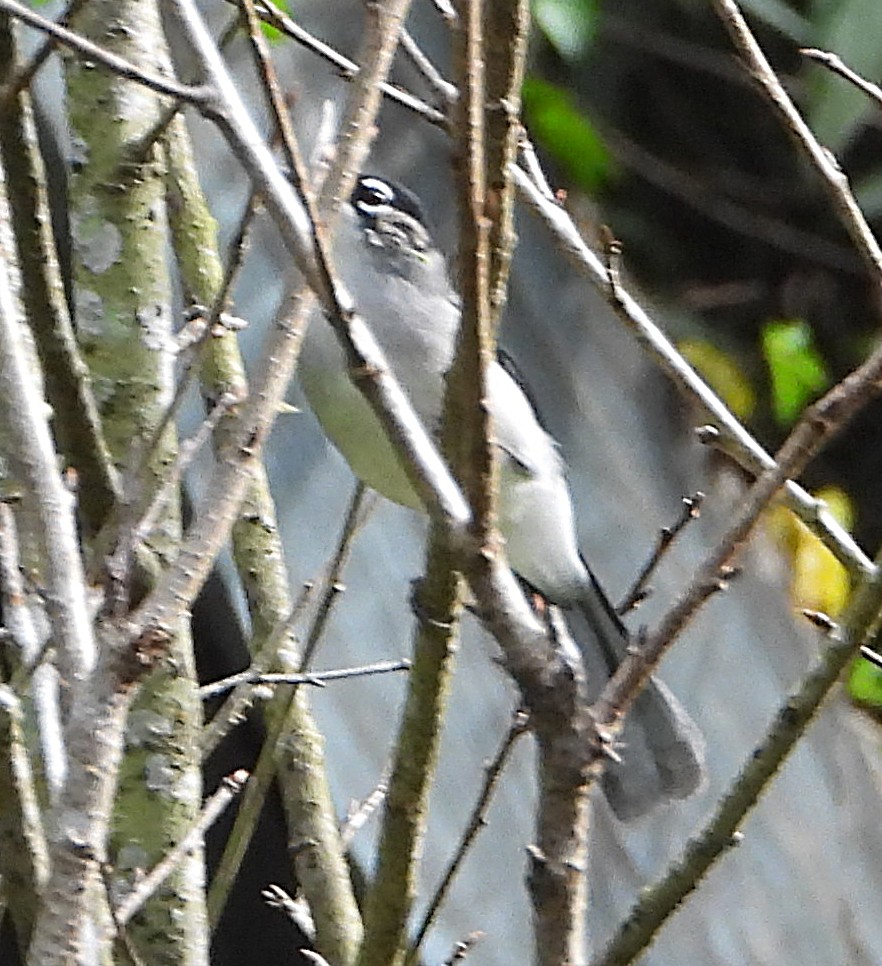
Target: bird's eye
[{"x": 371, "y": 193}]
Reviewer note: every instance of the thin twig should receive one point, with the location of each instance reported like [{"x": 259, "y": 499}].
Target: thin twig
[
  {"x": 835, "y": 63},
  {"x": 277, "y": 18},
  {"x": 534, "y": 168},
  {"x": 690, "y": 510},
  {"x": 743, "y": 447},
  {"x": 186, "y": 454},
  {"x": 427, "y": 69},
  {"x": 506, "y": 33},
  {"x": 211, "y": 812},
  {"x": 832, "y": 176},
  {"x": 818, "y": 425},
  {"x": 657, "y": 904},
  {"x": 119, "y": 65},
  {"x": 282, "y": 121},
  {"x": 315, "y": 678},
  {"x": 25, "y": 74},
  {"x": 358, "y": 814},
  {"x": 360, "y": 508},
  {"x": 252, "y": 803},
  {"x": 477, "y": 821},
  {"x": 232, "y": 711}
]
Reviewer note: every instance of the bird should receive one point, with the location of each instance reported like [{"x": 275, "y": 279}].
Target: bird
[{"x": 399, "y": 281}]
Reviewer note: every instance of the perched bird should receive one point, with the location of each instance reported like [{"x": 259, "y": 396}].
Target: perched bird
[{"x": 400, "y": 285}]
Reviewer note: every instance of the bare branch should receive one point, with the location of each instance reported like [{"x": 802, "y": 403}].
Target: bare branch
[
  {"x": 316, "y": 679},
  {"x": 819, "y": 424},
  {"x": 795, "y": 713},
  {"x": 23, "y": 75},
  {"x": 97, "y": 54},
  {"x": 19, "y": 620},
  {"x": 277, "y": 18},
  {"x": 476, "y": 822},
  {"x": 359, "y": 812},
  {"x": 743, "y": 447},
  {"x": 76, "y": 422},
  {"x": 388, "y": 903},
  {"x": 193, "y": 840},
  {"x": 835, "y": 63},
  {"x": 26, "y": 428},
  {"x": 691, "y": 509},
  {"x": 24, "y": 858},
  {"x": 430, "y": 73},
  {"x": 832, "y": 176}
]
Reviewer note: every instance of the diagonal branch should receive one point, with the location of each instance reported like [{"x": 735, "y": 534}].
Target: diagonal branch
[{"x": 738, "y": 442}]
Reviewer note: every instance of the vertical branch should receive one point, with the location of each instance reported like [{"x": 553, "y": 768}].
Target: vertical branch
[
  {"x": 73, "y": 921},
  {"x": 23, "y": 620},
  {"x": 76, "y": 421},
  {"x": 467, "y": 418},
  {"x": 557, "y": 880},
  {"x": 390, "y": 899},
  {"x": 437, "y": 606},
  {"x": 122, "y": 298},
  {"x": 27, "y": 440},
  {"x": 506, "y": 32},
  {"x": 24, "y": 860},
  {"x": 257, "y": 553}
]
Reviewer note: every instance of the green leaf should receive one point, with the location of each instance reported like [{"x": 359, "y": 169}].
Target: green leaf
[
  {"x": 865, "y": 683},
  {"x": 273, "y": 34},
  {"x": 566, "y": 134},
  {"x": 796, "y": 368},
  {"x": 568, "y": 25}
]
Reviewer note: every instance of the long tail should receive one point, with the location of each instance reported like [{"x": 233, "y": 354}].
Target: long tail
[{"x": 663, "y": 749}]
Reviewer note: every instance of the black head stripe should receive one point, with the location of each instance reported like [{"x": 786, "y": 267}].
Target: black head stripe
[{"x": 373, "y": 193}]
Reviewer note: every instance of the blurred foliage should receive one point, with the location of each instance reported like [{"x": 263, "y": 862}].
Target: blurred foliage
[
  {"x": 568, "y": 25},
  {"x": 796, "y": 369},
  {"x": 718, "y": 213},
  {"x": 566, "y": 134},
  {"x": 272, "y": 34},
  {"x": 723, "y": 374},
  {"x": 818, "y": 582},
  {"x": 865, "y": 684}
]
